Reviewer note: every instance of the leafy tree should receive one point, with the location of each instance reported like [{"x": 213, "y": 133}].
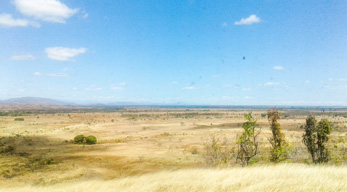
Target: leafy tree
[
  {"x": 247, "y": 142},
  {"x": 323, "y": 130},
  {"x": 316, "y": 137},
  {"x": 279, "y": 146},
  {"x": 310, "y": 136}
]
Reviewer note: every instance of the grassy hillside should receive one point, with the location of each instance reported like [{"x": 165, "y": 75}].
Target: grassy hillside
[{"x": 285, "y": 177}]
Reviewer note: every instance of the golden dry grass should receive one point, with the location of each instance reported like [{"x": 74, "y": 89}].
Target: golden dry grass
[
  {"x": 134, "y": 146},
  {"x": 285, "y": 177}
]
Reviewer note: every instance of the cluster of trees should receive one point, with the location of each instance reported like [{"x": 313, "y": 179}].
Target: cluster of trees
[{"x": 315, "y": 138}]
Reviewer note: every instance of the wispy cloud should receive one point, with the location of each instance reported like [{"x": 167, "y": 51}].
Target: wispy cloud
[
  {"x": 337, "y": 79},
  {"x": 225, "y": 24},
  {"x": 45, "y": 10},
  {"x": 117, "y": 88},
  {"x": 63, "y": 54},
  {"x": 6, "y": 20},
  {"x": 51, "y": 74},
  {"x": 174, "y": 82},
  {"x": 248, "y": 97},
  {"x": 335, "y": 87},
  {"x": 246, "y": 89},
  {"x": 307, "y": 81},
  {"x": 24, "y": 57},
  {"x": 189, "y": 88},
  {"x": 278, "y": 68},
  {"x": 37, "y": 74},
  {"x": 248, "y": 21}
]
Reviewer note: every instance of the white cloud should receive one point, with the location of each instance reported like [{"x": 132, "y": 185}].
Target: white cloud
[
  {"x": 37, "y": 74},
  {"x": 278, "y": 67},
  {"x": 122, "y": 84},
  {"x": 215, "y": 76},
  {"x": 51, "y": 74},
  {"x": 246, "y": 89},
  {"x": 229, "y": 85},
  {"x": 337, "y": 79},
  {"x": 174, "y": 82},
  {"x": 6, "y": 20},
  {"x": 271, "y": 83},
  {"x": 93, "y": 88},
  {"x": 117, "y": 88},
  {"x": 63, "y": 54},
  {"x": 24, "y": 57},
  {"x": 248, "y": 97},
  {"x": 248, "y": 21},
  {"x": 189, "y": 88},
  {"x": 46, "y": 10},
  {"x": 307, "y": 81}
]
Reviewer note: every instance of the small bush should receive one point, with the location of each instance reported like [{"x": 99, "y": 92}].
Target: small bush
[
  {"x": 19, "y": 119},
  {"x": 248, "y": 141},
  {"x": 8, "y": 149},
  {"x": 90, "y": 140},
  {"x": 217, "y": 152},
  {"x": 79, "y": 139},
  {"x": 195, "y": 151}
]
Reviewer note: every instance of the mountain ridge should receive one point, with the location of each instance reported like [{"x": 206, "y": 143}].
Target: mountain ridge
[{"x": 35, "y": 101}]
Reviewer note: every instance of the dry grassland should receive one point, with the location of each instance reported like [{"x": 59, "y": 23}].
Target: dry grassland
[{"x": 150, "y": 151}]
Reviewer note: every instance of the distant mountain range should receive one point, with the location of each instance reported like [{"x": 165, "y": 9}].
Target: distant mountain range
[
  {"x": 35, "y": 101},
  {"x": 38, "y": 101}
]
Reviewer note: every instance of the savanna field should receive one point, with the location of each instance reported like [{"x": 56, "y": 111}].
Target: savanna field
[{"x": 153, "y": 149}]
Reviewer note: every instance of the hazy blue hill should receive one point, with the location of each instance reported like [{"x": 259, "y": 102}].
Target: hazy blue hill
[{"x": 34, "y": 101}]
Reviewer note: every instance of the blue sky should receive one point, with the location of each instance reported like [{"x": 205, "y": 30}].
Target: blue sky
[{"x": 166, "y": 52}]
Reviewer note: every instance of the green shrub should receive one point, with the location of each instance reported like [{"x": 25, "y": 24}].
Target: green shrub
[
  {"x": 79, "y": 139},
  {"x": 19, "y": 119},
  {"x": 279, "y": 145},
  {"x": 91, "y": 140},
  {"x": 248, "y": 141},
  {"x": 316, "y": 137}
]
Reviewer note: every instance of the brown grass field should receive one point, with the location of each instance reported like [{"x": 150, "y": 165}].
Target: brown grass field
[{"x": 160, "y": 150}]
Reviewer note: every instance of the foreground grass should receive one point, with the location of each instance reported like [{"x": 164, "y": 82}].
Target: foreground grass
[{"x": 285, "y": 177}]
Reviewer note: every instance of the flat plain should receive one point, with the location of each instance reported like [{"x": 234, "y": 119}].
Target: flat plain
[{"x": 157, "y": 149}]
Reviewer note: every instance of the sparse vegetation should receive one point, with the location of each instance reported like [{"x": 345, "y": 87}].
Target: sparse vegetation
[
  {"x": 218, "y": 153},
  {"x": 248, "y": 141},
  {"x": 19, "y": 119},
  {"x": 279, "y": 146},
  {"x": 156, "y": 141},
  {"x": 79, "y": 139},
  {"x": 90, "y": 140},
  {"x": 316, "y": 137}
]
